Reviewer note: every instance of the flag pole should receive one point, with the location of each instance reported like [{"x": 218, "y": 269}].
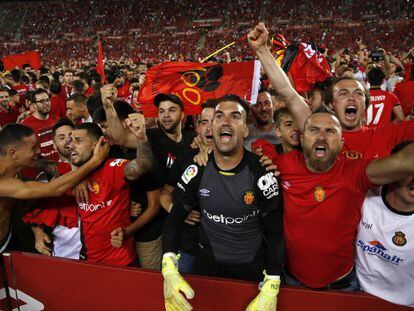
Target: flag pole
[{"x": 222, "y": 49}]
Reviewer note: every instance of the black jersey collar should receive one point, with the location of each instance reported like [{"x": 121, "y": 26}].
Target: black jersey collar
[
  {"x": 234, "y": 170},
  {"x": 384, "y": 191}
]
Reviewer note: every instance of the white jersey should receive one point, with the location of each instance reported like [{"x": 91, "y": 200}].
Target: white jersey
[
  {"x": 67, "y": 242},
  {"x": 385, "y": 252}
]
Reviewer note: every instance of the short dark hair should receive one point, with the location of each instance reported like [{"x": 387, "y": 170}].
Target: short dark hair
[
  {"x": 93, "y": 130},
  {"x": 44, "y": 78},
  {"x": 78, "y": 98},
  {"x": 12, "y": 134},
  {"x": 84, "y": 76},
  {"x": 376, "y": 76},
  {"x": 133, "y": 80},
  {"x": 60, "y": 123},
  {"x": 37, "y": 92},
  {"x": 277, "y": 115},
  {"x": 94, "y": 102},
  {"x": 16, "y": 75},
  {"x": 55, "y": 87},
  {"x": 235, "y": 98},
  {"x": 209, "y": 103},
  {"x": 123, "y": 109},
  {"x": 4, "y": 89},
  {"x": 78, "y": 86},
  {"x": 12, "y": 92},
  {"x": 24, "y": 66},
  {"x": 329, "y": 92}
]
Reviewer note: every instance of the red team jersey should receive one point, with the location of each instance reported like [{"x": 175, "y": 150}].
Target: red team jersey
[
  {"x": 108, "y": 209},
  {"x": 8, "y": 117},
  {"x": 405, "y": 92},
  {"x": 43, "y": 130},
  {"x": 376, "y": 142},
  {"x": 21, "y": 90},
  {"x": 55, "y": 211},
  {"x": 58, "y": 106},
  {"x": 319, "y": 222},
  {"x": 379, "y": 111}
]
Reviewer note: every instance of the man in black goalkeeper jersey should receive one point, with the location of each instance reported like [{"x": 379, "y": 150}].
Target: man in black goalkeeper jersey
[{"x": 239, "y": 203}]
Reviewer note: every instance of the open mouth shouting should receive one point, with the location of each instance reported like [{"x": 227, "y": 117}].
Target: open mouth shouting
[
  {"x": 225, "y": 135},
  {"x": 320, "y": 150},
  {"x": 351, "y": 112}
]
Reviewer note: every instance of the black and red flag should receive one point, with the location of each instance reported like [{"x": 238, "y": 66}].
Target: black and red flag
[{"x": 194, "y": 83}]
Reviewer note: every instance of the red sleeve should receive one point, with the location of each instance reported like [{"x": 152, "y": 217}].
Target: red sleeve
[
  {"x": 396, "y": 133},
  {"x": 45, "y": 213},
  {"x": 355, "y": 175},
  {"x": 114, "y": 171}
]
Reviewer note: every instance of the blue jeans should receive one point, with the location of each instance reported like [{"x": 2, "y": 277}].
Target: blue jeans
[
  {"x": 186, "y": 263},
  {"x": 353, "y": 287}
]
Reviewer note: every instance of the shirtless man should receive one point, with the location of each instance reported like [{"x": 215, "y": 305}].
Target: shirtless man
[{"x": 19, "y": 148}]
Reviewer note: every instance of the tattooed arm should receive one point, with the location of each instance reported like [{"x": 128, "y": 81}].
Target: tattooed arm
[{"x": 143, "y": 163}]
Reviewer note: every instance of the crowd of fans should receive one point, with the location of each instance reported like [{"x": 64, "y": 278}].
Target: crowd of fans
[
  {"x": 149, "y": 199},
  {"x": 61, "y": 29}
]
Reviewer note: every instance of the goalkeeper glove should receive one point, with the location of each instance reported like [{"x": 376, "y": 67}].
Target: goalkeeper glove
[
  {"x": 267, "y": 298},
  {"x": 173, "y": 284}
]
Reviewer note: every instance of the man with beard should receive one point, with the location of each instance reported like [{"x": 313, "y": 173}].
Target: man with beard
[
  {"x": 106, "y": 225},
  {"x": 41, "y": 121},
  {"x": 263, "y": 126},
  {"x": 145, "y": 193},
  {"x": 169, "y": 142},
  {"x": 323, "y": 193},
  {"x": 8, "y": 113},
  {"x": 60, "y": 216},
  {"x": 349, "y": 99},
  {"x": 239, "y": 200},
  {"x": 19, "y": 148},
  {"x": 189, "y": 234}
]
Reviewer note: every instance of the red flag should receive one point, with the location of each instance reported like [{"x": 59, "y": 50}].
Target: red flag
[
  {"x": 100, "y": 63},
  {"x": 194, "y": 83},
  {"x": 18, "y": 60},
  {"x": 306, "y": 65}
]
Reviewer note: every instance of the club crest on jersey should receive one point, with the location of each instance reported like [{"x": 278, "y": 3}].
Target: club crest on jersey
[
  {"x": 353, "y": 155},
  {"x": 319, "y": 194},
  {"x": 399, "y": 239},
  {"x": 189, "y": 173},
  {"x": 248, "y": 197},
  {"x": 95, "y": 187},
  {"x": 117, "y": 162}
]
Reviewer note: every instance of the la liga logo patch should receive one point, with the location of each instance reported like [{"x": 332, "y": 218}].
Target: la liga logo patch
[{"x": 189, "y": 173}]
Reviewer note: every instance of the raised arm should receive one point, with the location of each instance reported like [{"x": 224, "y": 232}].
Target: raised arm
[
  {"x": 392, "y": 168},
  {"x": 17, "y": 189},
  {"x": 120, "y": 135},
  {"x": 258, "y": 38},
  {"x": 144, "y": 161}
]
